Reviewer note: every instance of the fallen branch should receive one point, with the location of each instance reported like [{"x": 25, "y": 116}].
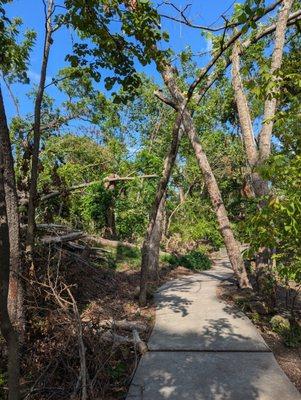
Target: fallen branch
[
  {"x": 139, "y": 344},
  {"x": 77, "y": 246},
  {"x": 67, "y": 190},
  {"x": 111, "y": 243},
  {"x": 116, "y": 339},
  {"x": 53, "y": 226},
  {"x": 60, "y": 239},
  {"x": 124, "y": 325}
]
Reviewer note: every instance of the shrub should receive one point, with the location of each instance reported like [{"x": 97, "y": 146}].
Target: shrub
[
  {"x": 194, "y": 260},
  {"x": 290, "y": 331}
]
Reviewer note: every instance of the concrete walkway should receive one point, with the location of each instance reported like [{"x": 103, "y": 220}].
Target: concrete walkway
[{"x": 203, "y": 349}]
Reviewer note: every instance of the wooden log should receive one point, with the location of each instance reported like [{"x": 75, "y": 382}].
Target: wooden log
[
  {"x": 111, "y": 243},
  {"x": 53, "y": 226},
  {"x": 60, "y": 239},
  {"x": 123, "y": 325},
  {"x": 116, "y": 339},
  {"x": 140, "y": 345}
]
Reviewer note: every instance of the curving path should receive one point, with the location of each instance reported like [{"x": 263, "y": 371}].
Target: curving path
[{"x": 203, "y": 349}]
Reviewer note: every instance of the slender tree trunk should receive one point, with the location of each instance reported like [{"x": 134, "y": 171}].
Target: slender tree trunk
[
  {"x": 243, "y": 109},
  {"x": 110, "y": 220},
  {"x": 7, "y": 329},
  {"x": 258, "y": 184},
  {"x": 232, "y": 246},
  {"x": 271, "y": 101},
  {"x": 155, "y": 240},
  {"x": 161, "y": 191},
  {"x": 37, "y": 136},
  {"x": 15, "y": 296},
  {"x": 254, "y": 155}
]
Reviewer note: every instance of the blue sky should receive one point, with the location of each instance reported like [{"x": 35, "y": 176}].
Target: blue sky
[
  {"x": 181, "y": 36},
  {"x": 31, "y": 12}
]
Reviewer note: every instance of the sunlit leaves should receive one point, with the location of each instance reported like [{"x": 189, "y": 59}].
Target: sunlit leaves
[{"x": 14, "y": 57}]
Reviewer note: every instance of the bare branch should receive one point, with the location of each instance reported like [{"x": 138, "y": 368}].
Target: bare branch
[
  {"x": 227, "y": 45},
  {"x": 166, "y": 100}
]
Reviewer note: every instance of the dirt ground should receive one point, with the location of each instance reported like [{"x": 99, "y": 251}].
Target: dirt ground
[{"x": 50, "y": 362}]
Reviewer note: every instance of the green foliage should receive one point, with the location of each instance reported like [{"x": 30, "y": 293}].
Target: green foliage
[
  {"x": 129, "y": 257},
  {"x": 117, "y": 371},
  {"x": 194, "y": 260},
  {"x": 114, "y": 49},
  {"x": 14, "y": 57},
  {"x": 277, "y": 224},
  {"x": 94, "y": 204},
  {"x": 290, "y": 331}
]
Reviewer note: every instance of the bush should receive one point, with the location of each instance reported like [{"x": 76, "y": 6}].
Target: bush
[
  {"x": 290, "y": 331},
  {"x": 194, "y": 260}
]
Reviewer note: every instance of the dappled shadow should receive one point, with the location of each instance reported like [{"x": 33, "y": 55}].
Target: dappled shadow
[
  {"x": 177, "y": 303},
  {"x": 204, "y": 349},
  {"x": 211, "y": 375},
  {"x": 191, "y": 317}
]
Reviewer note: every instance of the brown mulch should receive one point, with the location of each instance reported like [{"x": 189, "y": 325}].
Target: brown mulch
[{"x": 288, "y": 358}]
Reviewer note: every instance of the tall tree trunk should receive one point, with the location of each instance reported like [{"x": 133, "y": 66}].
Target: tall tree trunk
[
  {"x": 7, "y": 329},
  {"x": 155, "y": 240},
  {"x": 161, "y": 191},
  {"x": 258, "y": 184},
  {"x": 232, "y": 246},
  {"x": 254, "y": 155},
  {"x": 110, "y": 219},
  {"x": 271, "y": 101},
  {"x": 15, "y": 296},
  {"x": 37, "y": 136}
]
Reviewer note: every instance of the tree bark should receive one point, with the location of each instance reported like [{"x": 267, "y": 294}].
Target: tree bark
[
  {"x": 243, "y": 109},
  {"x": 271, "y": 101},
  {"x": 15, "y": 296},
  {"x": 7, "y": 329},
  {"x": 256, "y": 156},
  {"x": 232, "y": 246},
  {"x": 156, "y": 236},
  {"x": 37, "y": 136},
  {"x": 161, "y": 191},
  {"x": 259, "y": 186}
]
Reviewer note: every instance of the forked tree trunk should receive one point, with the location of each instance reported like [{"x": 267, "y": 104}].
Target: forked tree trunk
[
  {"x": 15, "y": 296},
  {"x": 36, "y": 138},
  {"x": 271, "y": 101},
  {"x": 256, "y": 156},
  {"x": 259, "y": 185},
  {"x": 161, "y": 191},
  {"x": 7, "y": 329}
]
